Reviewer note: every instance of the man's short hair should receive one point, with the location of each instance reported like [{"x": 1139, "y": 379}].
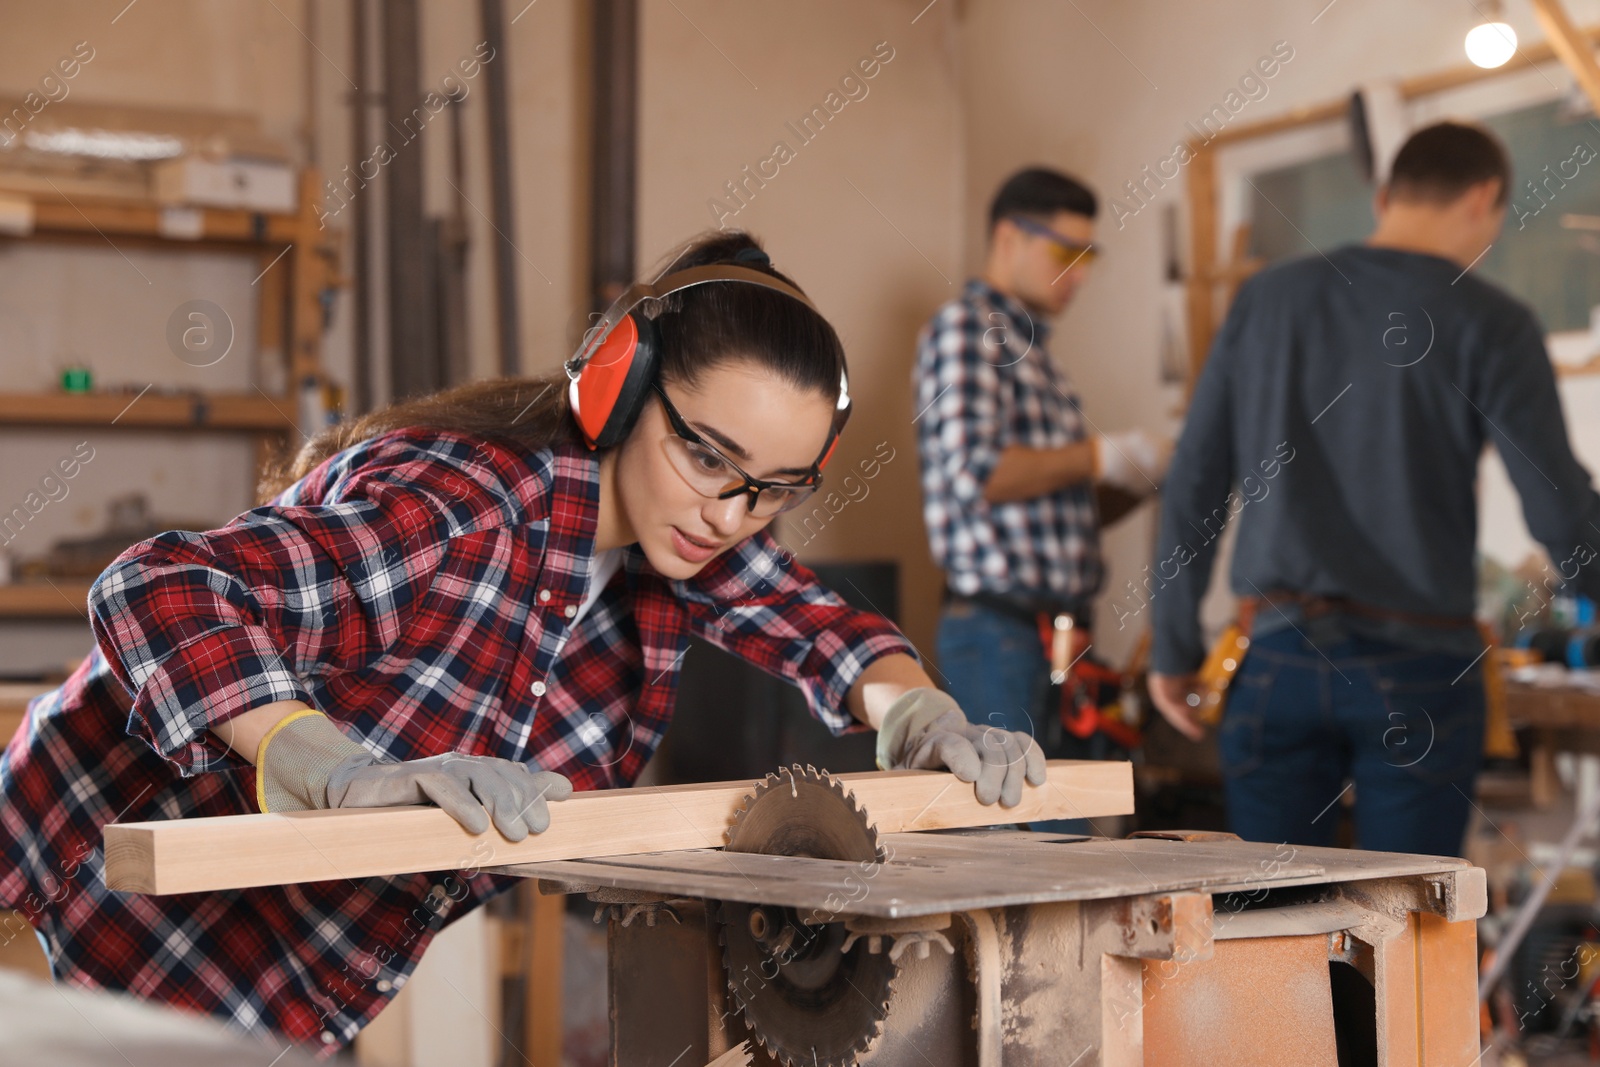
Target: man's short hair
[
  {"x": 1040, "y": 193},
  {"x": 1438, "y": 163}
]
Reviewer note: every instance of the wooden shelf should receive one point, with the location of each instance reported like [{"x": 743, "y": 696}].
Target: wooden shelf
[
  {"x": 53, "y": 216},
  {"x": 66, "y": 599},
  {"x": 297, "y": 262},
  {"x": 245, "y": 412}
]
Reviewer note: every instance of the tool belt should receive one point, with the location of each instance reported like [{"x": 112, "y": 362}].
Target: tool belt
[{"x": 1226, "y": 656}]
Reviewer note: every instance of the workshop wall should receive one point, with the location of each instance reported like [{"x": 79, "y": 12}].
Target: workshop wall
[{"x": 863, "y": 210}]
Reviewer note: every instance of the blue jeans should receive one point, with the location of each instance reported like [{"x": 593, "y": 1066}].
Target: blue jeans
[
  {"x": 1302, "y": 720},
  {"x": 994, "y": 666}
]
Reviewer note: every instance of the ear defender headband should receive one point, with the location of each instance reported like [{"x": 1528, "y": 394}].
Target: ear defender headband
[{"x": 612, "y": 371}]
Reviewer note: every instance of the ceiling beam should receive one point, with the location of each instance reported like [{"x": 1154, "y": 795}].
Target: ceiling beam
[{"x": 1571, "y": 46}]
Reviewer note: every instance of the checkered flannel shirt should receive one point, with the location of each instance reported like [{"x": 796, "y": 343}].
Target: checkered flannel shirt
[
  {"x": 416, "y": 587},
  {"x": 983, "y": 383}
]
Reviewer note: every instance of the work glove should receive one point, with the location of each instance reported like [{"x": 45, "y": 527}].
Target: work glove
[
  {"x": 306, "y": 762},
  {"x": 925, "y": 729},
  {"x": 1132, "y": 460}
]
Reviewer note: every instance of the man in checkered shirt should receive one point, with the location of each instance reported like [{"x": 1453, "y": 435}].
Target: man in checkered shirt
[{"x": 1010, "y": 464}]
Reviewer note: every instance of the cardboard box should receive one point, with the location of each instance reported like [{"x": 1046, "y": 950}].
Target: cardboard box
[{"x": 253, "y": 185}]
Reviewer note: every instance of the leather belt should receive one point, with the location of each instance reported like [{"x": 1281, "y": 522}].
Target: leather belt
[
  {"x": 1025, "y": 607},
  {"x": 1315, "y": 606}
]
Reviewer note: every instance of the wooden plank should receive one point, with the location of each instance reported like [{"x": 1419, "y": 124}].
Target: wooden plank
[
  {"x": 1572, "y": 47},
  {"x": 238, "y": 851}
]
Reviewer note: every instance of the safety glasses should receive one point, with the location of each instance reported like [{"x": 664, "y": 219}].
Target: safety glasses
[
  {"x": 1066, "y": 253},
  {"x": 715, "y": 476}
]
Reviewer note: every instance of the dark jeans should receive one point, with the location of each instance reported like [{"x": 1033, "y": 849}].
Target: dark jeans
[
  {"x": 995, "y": 667},
  {"x": 1302, "y": 720}
]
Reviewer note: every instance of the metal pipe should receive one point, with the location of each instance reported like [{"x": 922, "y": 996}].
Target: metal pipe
[{"x": 498, "y": 111}]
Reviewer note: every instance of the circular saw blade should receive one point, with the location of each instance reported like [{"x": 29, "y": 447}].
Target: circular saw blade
[
  {"x": 801, "y": 811},
  {"x": 805, "y": 1001}
]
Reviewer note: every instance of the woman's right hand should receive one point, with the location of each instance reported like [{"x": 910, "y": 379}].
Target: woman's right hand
[{"x": 473, "y": 789}]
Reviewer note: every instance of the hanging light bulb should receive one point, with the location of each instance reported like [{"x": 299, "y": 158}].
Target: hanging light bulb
[{"x": 1493, "y": 42}]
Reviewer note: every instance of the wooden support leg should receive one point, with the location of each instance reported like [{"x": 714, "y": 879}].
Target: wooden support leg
[
  {"x": 1427, "y": 987},
  {"x": 544, "y": 969},
  {"x": 1071, "y": 975}
]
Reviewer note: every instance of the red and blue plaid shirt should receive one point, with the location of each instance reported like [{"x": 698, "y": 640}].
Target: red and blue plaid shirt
[
  {"x": 983, "y": 383},
  {"x": 416, "y": 587}
]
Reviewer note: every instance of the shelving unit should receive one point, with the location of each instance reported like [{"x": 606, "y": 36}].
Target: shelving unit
[
  {"x": 56, "y": 599},
  {"x": 297, "y": 259}
]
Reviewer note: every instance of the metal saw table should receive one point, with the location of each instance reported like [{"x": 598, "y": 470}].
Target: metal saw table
[{"x": 977, "y": 948}]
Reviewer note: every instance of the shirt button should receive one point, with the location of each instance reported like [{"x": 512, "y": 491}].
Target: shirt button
[
  {"x": 572, "y": 609},
  {"x": 544, "y": 595},
  {"x": 384, "y": 985},
  {"x": 538, "y": 689},
  {"x": 328, "y": 1038}
]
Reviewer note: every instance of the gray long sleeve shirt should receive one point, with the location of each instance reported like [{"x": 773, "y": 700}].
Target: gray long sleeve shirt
[{"x": 1339, "y": 422}]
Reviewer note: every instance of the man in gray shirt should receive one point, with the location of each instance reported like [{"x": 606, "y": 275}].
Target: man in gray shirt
[{"x": 1340, "y": 416}]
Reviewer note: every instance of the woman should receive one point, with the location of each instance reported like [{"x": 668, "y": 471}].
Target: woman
[{"x": 479, "y": 599}]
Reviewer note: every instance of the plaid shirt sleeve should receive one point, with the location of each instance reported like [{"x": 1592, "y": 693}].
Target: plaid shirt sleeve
[
  {"x": 200, "y": 627},
  {"x": 960, "y": 428},
  {"x": 758, "y": 603}
]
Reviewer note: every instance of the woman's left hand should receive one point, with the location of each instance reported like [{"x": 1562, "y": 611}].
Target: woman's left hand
[{"x": 926, "y": 729}]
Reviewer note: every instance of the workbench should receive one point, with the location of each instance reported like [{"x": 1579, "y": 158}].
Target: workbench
[{"x": 1562, "y": 718}]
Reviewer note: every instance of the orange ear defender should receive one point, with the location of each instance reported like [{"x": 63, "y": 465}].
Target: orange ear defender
[
  {"x": 614, "y": 381},
  {"x": 612, "y": 371}
]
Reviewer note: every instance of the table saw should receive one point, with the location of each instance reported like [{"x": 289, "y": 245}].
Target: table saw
[
  {"x": 825, "y": 943},
  {"x": 877, "y": 918}
]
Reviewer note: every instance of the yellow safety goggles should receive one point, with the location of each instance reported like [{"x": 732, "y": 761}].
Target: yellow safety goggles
[{"x": 1067, "y": 254}]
